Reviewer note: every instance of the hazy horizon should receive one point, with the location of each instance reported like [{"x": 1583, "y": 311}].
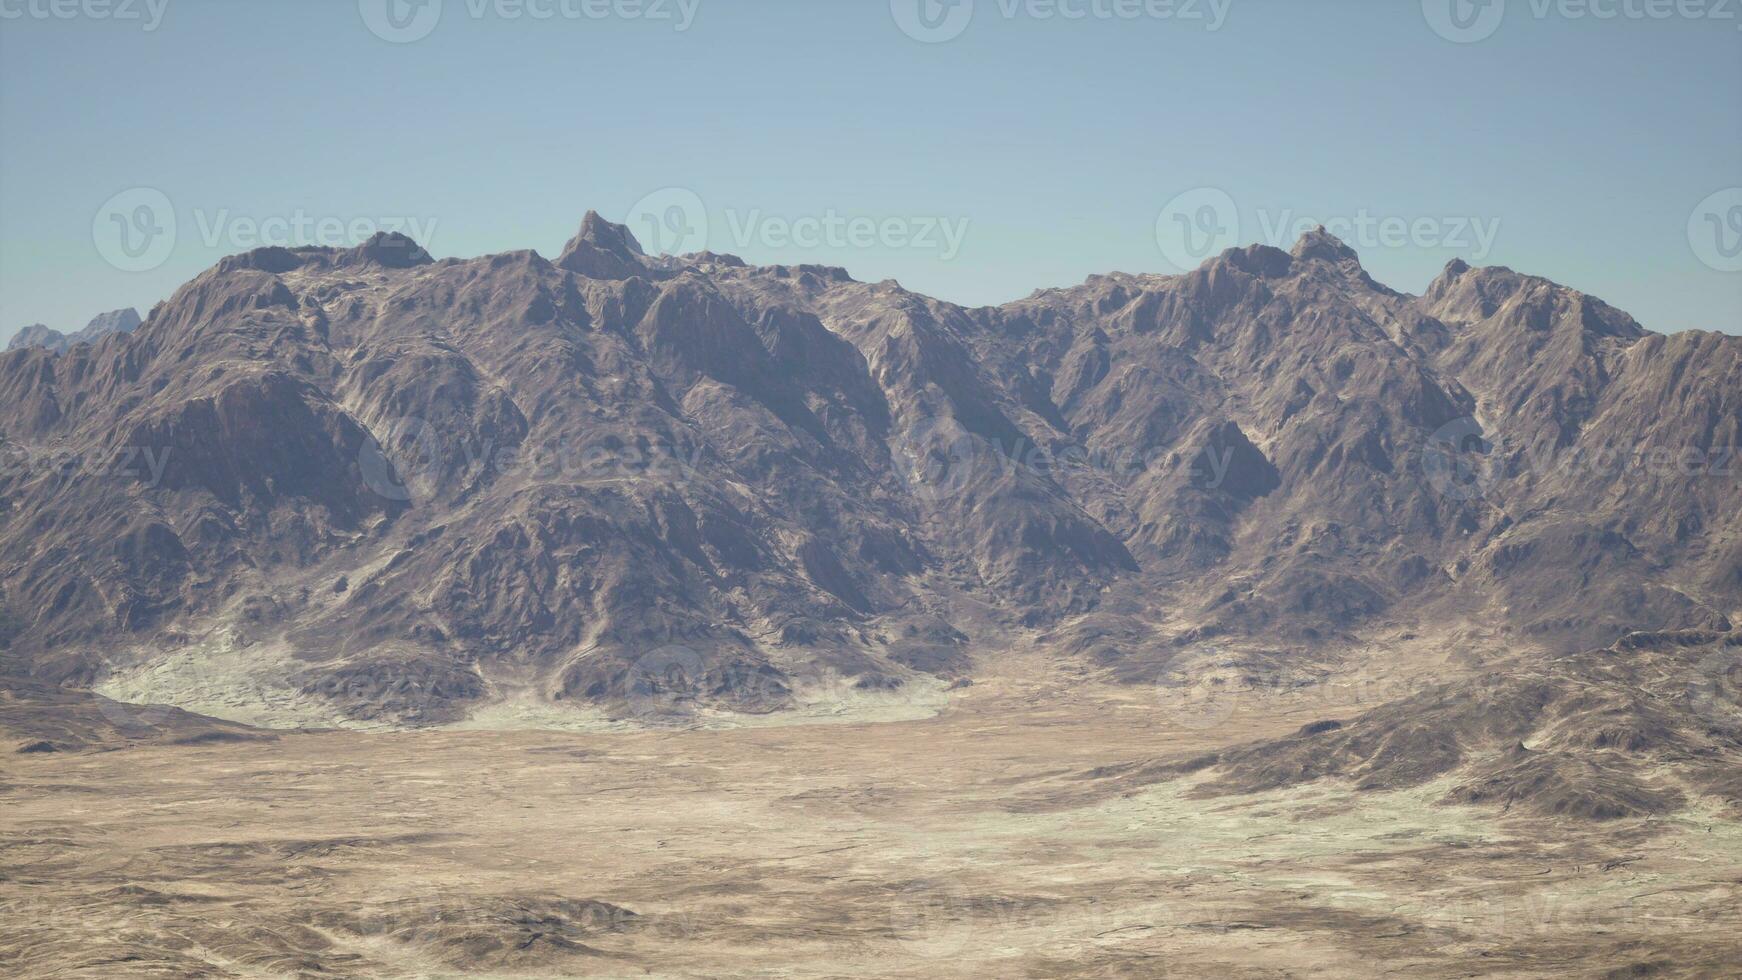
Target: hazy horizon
[{"x": 1025, "y": 150}]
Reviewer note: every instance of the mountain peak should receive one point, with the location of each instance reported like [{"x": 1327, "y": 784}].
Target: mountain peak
[
  {"x": 1447, "y": 281},
  {"x": 1321, "y": 244},
  {"x": 37, "y": 335},
  {"x": 388, "y": 249},
  {"x": 124, "y": 320},
  {"x": 603, "y": 250},
  {"x": 609, "y": 235}
]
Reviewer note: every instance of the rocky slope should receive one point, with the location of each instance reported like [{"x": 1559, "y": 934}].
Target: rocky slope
[
  {"x": 397, "y": 489},
  {"x": 1636, "y": 729}
]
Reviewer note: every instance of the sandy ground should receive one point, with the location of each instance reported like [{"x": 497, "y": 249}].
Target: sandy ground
[{"x": 968, "y": 843}]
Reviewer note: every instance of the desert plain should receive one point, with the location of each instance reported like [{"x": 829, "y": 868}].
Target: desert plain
[{"x": 1001, "y": 836}]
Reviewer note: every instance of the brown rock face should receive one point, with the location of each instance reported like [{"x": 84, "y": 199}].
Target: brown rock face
[{"x": 615, "y": 477}]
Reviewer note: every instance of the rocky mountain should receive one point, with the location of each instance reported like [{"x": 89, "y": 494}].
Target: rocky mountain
[
  {"x": 375, "y": 487},
  {"x": 38, "y": 335},
  {"x": 104, "y": 324},
  {"x": 115, "y": 321}
]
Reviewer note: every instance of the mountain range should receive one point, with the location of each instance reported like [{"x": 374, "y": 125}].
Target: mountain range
[
  {"x": 363, "y": 486},
  {"x": 37, "y": 335}
]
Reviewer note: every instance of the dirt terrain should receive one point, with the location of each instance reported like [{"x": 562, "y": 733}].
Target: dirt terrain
[{"x": 982, "y": 841}]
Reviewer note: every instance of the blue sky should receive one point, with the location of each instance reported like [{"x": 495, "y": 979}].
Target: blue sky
[{"x": 1029, "y": 149}]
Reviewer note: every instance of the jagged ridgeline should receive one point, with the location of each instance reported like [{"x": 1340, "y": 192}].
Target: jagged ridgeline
[
  {"x": 37, "y": 335},
  {"x": 401, "y": 489}
]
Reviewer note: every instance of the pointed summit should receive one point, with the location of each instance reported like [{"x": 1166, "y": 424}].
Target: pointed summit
[
  {"x": 388, "y": 249},
  {"x": 1446, "y": 282},
  {"x": 1323, "y": 245},
  {"x": 607, "y": 235},
  {"x": 603, "y": 250}
]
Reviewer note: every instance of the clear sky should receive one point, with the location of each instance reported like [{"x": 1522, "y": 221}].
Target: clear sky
[{"x": 1024, "y": 151}]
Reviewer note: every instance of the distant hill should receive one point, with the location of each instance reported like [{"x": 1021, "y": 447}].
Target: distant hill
[{"x": 37, "y": 335}]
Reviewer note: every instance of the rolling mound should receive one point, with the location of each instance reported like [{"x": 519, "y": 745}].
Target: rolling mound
[{"x": 1637, "y": 729}]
